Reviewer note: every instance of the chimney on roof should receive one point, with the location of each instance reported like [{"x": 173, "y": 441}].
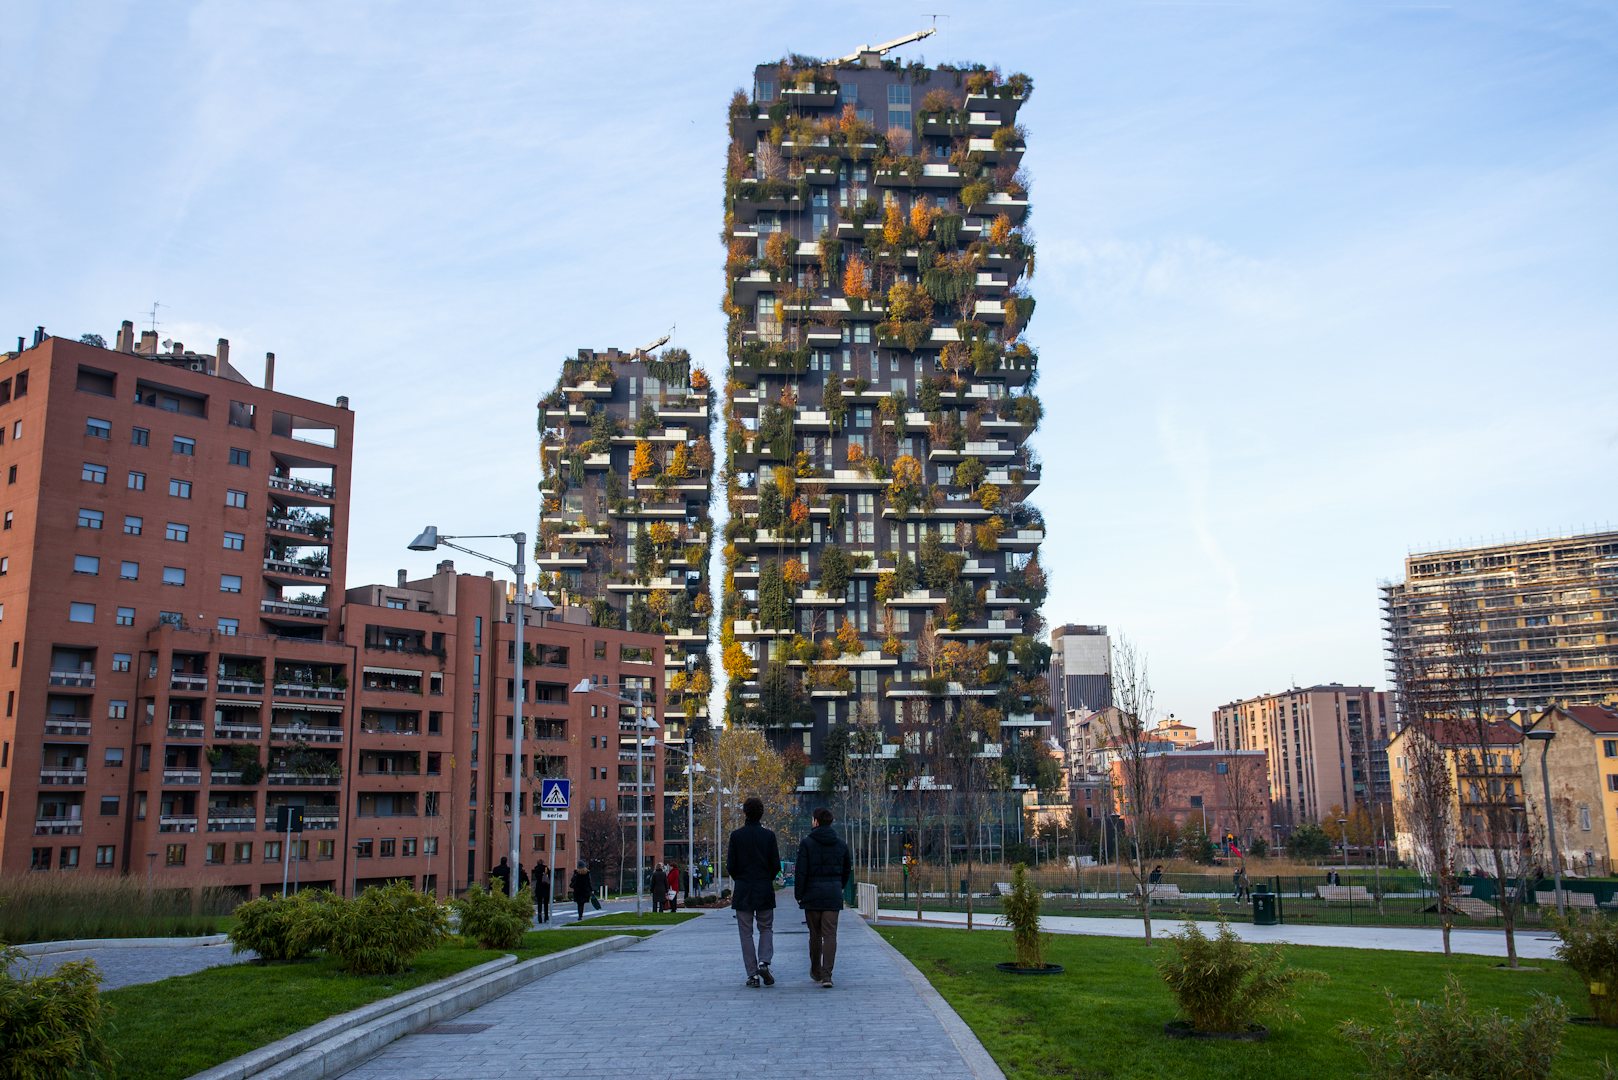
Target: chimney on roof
[
  {"x": 20, "y": 342},
  {"x": 179, "y": 350},
  {"x": 446, "y": 566},
  {"x": 126, "y": 337},
  {"x": 401, "y": 579},
  {"x": 269, "y": 371},
  {"x": 342, "y": 401},
  {"x": 221, "y": 356},
  {"x": 39, "y": 336},
  {"x": 148, "y": 343}
]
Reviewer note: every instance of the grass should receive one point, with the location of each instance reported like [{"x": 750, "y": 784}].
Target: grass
[
  {"x": 183, "y": 1025},
  {"x": 57, "y": 907},
  {"x": 629, "y": 918},
  {"x": 1028, "y": 1024}
]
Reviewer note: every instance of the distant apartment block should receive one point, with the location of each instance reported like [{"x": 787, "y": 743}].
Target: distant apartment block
[
  {"x": 1223, "y": 791},
  {"x": 881, "y": 553},
  {"x": 1475, "y": 762},
  {"x": 1546, "y": 610},
  {"x": 1326, "y": 746},
  {"x": 1582, "y": 761},
  {"x": 625, "y": 530},
  {"x": 1081, "y": 668}
]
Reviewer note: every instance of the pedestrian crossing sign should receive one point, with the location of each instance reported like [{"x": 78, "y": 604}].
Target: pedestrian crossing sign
[{"x": 554, "y": 797}]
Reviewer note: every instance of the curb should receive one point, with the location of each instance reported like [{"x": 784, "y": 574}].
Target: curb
[
  {"x": 41, "y": 948},
  {"x": 977, "y": 1058},
  {"x": 340, "y": 1042}
]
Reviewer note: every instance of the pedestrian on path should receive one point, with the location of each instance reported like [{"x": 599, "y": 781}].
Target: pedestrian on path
[
  {"x": 579, "y": 886},
  {"x": 819, "y": 881},
  {"x": 542, "y": 891},
  {"x": 753, "y": 858},
  {"x": 671, "y": 882},
  {"x": 657, "y": 885},
  {"x": 501, "y": 875}
]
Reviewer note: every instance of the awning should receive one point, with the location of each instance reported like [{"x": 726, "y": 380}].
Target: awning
[
  {"x": 239, "y": 704},
  {"x": 392, "y": 671},
  {"x": 308, "y": 708}
]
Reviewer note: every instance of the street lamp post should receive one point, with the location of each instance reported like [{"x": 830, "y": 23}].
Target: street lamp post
[
  {"x": 1342, "y": 828},
  {"x": 1543, "y": 736},
  {"x": 430, "y": 540},
  {"x": 691, "y": 770},
  {"x": 641, "y": 724}
]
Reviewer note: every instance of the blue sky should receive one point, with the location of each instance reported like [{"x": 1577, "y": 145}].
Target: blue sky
[{"x": 1319, "y": 283}]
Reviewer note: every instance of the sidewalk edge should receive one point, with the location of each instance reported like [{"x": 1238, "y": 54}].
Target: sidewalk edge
[{"x": 972, "y": 1052}]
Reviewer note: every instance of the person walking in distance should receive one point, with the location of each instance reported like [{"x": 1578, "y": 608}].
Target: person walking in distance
[
  {"x": 753, "y": 858},
  {"x": 542, "y": 891},
  {"x": 579, "y": 886},
  {"x": 671, "y": 883},
  {"x": 824, "y": 867},
  {"x": 500, "y": 876},
  {"x": 657, "y": 885}
]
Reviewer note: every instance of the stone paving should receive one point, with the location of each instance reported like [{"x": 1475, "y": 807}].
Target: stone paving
[
  {"x": 675, "y": 1006},
  {"x": 1533, "y": 943},
  {"x": 130, "y": 966}
]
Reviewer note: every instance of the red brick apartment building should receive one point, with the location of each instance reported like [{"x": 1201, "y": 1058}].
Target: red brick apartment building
[{"x": 181, "y": 663}]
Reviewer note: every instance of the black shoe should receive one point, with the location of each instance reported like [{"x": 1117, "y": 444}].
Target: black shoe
[
  {"x": 764, "y": 973},
  {"x": 825, "y": 983},
  {"x": 752, "y": 982}
]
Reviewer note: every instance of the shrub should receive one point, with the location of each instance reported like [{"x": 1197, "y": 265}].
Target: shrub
[
  {"x": 1223, "y": 984},
  {"x": 1590, "y": 947},
  {"x": 1447, "y": 1039},
  {"x": 281, "y": 930},
  {"x": 493, "y": 919},
  {"x": 382, "y": 930},
  {"x": 50, "y": 1025},
  {"x": 52, "y": 907},
  {"x": 1021, "y": 913}
]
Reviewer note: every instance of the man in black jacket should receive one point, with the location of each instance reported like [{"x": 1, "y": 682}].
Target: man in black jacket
[
  {"x": 754, "y": 859},
  {"x": 824, "y": 867}
]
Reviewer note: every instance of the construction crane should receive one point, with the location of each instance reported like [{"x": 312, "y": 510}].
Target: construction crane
[
  {"x": 871, "y": 55},
  {"x": 640, "y": 354}
]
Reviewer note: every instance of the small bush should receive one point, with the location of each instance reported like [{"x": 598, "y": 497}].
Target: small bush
[
  {"x": 281, "y": 930},
  {"x": 1223, "y": 984},
  {"x": 1445, "y": 1039},
  {"x": 1021, "y": 913},
  {"x": 50, "y": 1025},
  {"x": 381, "y": 931},
  {"x": 493, "y": 919},
  {"x": 1590, "y": 947}
]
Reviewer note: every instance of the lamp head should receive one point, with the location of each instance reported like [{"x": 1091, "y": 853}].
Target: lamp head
[
  {"x": 584, "y": 687},
  {"x": 427, "y": 541},
  {"x": 1540, "y": 734}
]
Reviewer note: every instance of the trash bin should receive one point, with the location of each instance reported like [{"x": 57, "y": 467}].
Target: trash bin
[{"x": 1264, "y": 907}]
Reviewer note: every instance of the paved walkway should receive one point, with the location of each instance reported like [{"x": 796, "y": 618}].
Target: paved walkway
[
  {"x": 1533, "y": 943},
  {"x": 130, "y": 963},
  {"x": 674, "y": 1006}
]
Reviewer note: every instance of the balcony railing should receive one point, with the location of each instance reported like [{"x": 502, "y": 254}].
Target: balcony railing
[
  {"x": 180, "y": 680},
  {"x": 302, "y": 487},
  {"x": 182, "y": 776},
  {"x": 305, "y": 733},
  {"x": 224, "y": 730},
  {"x": 281, "y": 524},
  {"x": 185, "y": 729},
  {"x": 297, "y": 779},
  {"x": 177, "y": 823},
  {"x": 302, "y": 611},
  {"x": 297, "y": 569},
  {"x": 67, "y": 725},
  {"x": 58, "y": 826},
  {"x": 237, "y": 684},
  {"x": 60, "y": 777},
  {"x": 318, "y": 691},
  {"x": 83, "y": 679}
]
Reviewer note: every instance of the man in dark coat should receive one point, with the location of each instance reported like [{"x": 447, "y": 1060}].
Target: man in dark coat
[
  {"x": 542, "y": 891},
  {"x": 821, "y": 878},
  {"x": 501, "y": 876},
  {"x": 754, "y": 859}
]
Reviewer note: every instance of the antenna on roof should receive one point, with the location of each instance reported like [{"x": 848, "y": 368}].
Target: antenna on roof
[{"x": 153, "y": 315}]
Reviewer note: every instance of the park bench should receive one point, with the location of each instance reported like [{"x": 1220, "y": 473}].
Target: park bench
[
  {"x": 1002, "y": 888},
  {"x": 1341, "y": 893},
  {"x": 1547, "y": 899},
  {"x": 1162, "y": 892}
]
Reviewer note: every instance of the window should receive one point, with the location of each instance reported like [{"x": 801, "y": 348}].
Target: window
[
  {"x": 234, "y": 541},
  {"x": 120, "y": 661},
  {"x": 180, "y": 489},
  {"x": 1609, "y": 747},
  {"x": 184, "y": 446},
  {"x": 93, "y": 473},
  {"x": 114, "y": 757},
  {"x": 238, "y": 456},
  {"x": 86, "y": 564},
  {"x": 272, "y": 851},
  {"x": 364, "y": 849},
  {"x": 88, "y": 519},
  {"x": 81, "y": 613},
  {"x": 128, "y": 571},
  {"x": 41, "y": 859},
  {"x": 140, "y": 437},
  {"x": 237, "y": 499},
  {"x": 11, "y": 475},
  {"x": 137, "y": 481},
  {"x": 214, "y": 854},
  {"x": 132, "y": 525},
  {"x": 16, "y": 431},
  {"x": 109, "y": 806},
  {"x": 104, "y": 856},
  {"x": 385, "y": 849},
  {"x": 174, "y": 575},
  {"x": 230, "y": 583},
  {"x": 1584, "y": 818},
  {"x": 175, "y": 855},
  {"x": 177, "y": 532},
  {"x": 242, "y": 851},
  {"x": 22, "y": 387},
  {"x": 170, "y": 618},
  {"x": 229, "y": 627},
  {"x": 11, "y": 516},
  {"x": 96, "y": 429},
  {"x": 126, "y": 616}
]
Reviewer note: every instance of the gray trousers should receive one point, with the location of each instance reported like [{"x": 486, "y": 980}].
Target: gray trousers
[{"x": 766, "y": 938}]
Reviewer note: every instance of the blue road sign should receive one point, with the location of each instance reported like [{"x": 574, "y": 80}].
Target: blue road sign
[{"x": 554, "y": 798}]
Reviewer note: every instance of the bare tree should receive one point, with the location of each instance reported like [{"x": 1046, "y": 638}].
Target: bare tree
[
  {"x": 1244, "y": 796},
  {"x": 1140, "y": 782},
  {"x": 1425, "y": 810}
]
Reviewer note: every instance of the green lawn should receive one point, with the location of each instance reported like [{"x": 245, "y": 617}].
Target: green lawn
[
  {"x": 1104, "y": 1018},
  {"x": 189, "y": 1023},
  {"x": 629, "y": 918}
]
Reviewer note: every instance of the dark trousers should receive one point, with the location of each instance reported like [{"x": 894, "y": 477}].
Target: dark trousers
[
  {"x": 581, "y": 904},
  {"x": 542, "y": 902},
  {"x": 822, "y": 943}
]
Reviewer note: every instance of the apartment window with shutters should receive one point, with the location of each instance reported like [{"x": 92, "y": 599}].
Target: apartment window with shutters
[
  {"x": 137, "y": 481},
  {"x": 180, "y": 489},
  {"x": 237, "y": 499},
  {"x": 132, "y": 525},
  {"x": 234, "y": 541},
  {"x": 93, "y": 473}
]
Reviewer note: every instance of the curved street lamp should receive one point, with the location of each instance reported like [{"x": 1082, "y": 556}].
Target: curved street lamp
[{"x": 641, "y": 725}]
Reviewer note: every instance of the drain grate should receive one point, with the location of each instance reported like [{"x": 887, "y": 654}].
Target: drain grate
[{"x": 455, "y": 1029}]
